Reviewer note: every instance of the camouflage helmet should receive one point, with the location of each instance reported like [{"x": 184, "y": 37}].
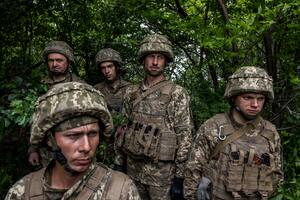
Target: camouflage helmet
[
  {"x": 249, "y": 79},
  {"x": 108, "y": 54},
  {"x": 156, "y": 43},
  {"x": 66, "y": 101},
  {"x": 58, "y": 47}
]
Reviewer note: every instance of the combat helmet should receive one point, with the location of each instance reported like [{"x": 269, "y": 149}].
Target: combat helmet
[
  {"x": 108, "y": 54},
  {"x": 64, "y": 102},
  {"x": 249, "y": 79},
  {"x": 58, "y": 47},
  {"x": 156, "y": 43}
]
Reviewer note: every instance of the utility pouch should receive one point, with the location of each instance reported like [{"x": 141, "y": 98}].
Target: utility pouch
[
  {"x": 266, "y": 178},
  {"x": 250, "y": 179},
  {"x": 234, "y": 176},
  {"x": 168, "y": 146},
  {"x": 141, "y": 141},
  {"x": 119, "y": 136}
]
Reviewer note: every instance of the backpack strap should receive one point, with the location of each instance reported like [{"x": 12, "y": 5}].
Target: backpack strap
[
  {"x": 34, "y": 186},
  {"x": 140, "y": 97},
  {"x": 234, "y": 136}
]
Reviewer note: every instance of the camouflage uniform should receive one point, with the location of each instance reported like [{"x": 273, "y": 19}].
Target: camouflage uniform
[
  {"x": 250, "y": 166},
  {"x": 63, "y": 48},
  {"x": 59, "y": 107},
  {"x": 104, "y": 190},
  {"x": 114, "y": 91},
  {"x": 158, "y": 135},
  {"x": 114, "y": 95}
]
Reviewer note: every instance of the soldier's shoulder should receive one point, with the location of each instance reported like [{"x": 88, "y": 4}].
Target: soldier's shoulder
[
  {"x": 215, "y": 121},
  {"x": 270, "y": 126},
  {"x": 17, "y": 191},
  {"x": 100, "y": 85},
  {"x": 76, "y": 78}
]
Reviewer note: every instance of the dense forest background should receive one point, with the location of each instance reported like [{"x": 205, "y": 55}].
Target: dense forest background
[{"x": 211, "y": 39}]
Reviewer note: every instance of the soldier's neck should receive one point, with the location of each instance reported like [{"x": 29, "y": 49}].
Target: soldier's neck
[
  {"x": 59, "y": 78},
  {"x": 114, "y": 83},
  {"x": 153, "y": 80},
  {"x": 61, "y": 179},
  {"x": 238, "y": 118}
]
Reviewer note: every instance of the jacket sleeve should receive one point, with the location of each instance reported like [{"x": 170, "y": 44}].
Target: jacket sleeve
[
  {"x": 200, "y": 152},
  {"x": 181, "y": 122}
]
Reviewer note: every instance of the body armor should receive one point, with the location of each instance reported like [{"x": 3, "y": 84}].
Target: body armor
[
  {"x": 113, "y": 96},
  {"x": 147, "y": 134},
  {"x": 244, "y": 167}
]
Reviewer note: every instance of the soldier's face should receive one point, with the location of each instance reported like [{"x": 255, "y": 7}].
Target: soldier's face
[
  {"x": 250, "y": 104},
  {"x": 154, "y": 64},
  {"x": 108, "y": 69},
  {"x": 57, "y": 63},
  {"x": 79, "y": 145}
]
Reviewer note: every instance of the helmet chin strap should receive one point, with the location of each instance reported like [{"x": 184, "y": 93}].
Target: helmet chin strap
[
  {"x": 247, "y": 117},
  {"x": 59, "y": 156}
]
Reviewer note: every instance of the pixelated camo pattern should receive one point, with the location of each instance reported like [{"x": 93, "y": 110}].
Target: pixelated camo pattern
[
  {"x": 17, "y": 191},
  {"x": 58, "y": 47},
  {"x": 156, "y": 43},
  {"x": 64, "y": 101},
  {"x": 108, "y": 54},
  {"x": 204, "y": 144},
  {"x": 250, "y": 79},
  {"x": 179, "y": 119}
]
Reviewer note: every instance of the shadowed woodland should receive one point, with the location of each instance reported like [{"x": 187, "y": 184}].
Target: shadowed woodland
[{"x": 211, "y": 39}]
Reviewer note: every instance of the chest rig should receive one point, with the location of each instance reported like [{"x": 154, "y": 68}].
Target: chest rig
[
  {"x": 113, "y": 97},
  {"x": 149, "y": 133},
  {"x": 244, "y": 163}
]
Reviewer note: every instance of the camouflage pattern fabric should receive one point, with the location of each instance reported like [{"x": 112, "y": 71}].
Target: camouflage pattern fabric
[
  {"x": 249, "y": 79},
  {"x": 179, "y": 119},
  {"x": 108, "y": 54},
  {"x": 200, "y": 164},
  {"x": 17, "y": 191},
  {"x": 113, "y": 94},
  {"x": 156, "y": 43},
  {"x": 65, "y": 101},
  {"x": 58, "y": 47},
  {"x": 70, "y": 77},
  {"x": 157, "y": 193}
]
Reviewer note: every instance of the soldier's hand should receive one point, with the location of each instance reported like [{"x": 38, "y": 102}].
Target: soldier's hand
[
  {"x": 204, "y": 189},
  {"x": 177, "y": 189},
  {"x": 34, "y": 158}
]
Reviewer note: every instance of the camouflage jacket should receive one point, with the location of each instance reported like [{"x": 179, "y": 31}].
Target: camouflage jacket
[
  {"x": 201, "y": 163},
  {"x": 70, "y": 77},
  {"x": 113, "y": 93},
  {"x": 127, "y": 190},
  {"x": 178, "y": 120}
]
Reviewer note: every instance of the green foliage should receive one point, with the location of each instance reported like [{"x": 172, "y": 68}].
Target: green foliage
[{"x": 208, "y": 48}]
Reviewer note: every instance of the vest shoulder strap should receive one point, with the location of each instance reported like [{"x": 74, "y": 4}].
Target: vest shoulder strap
[
  {"x": 93, "y": 182},
  {"x": 140, "y": 97},
  {"x": 119, "y": 183},
  {"x": 234, "y": 136},
  {"x": 34, "y": 185}
]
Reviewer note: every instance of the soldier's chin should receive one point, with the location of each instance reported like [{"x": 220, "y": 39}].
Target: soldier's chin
[
  {"x": 250, "y": 117},
  {"x": 58, "y": 73}
]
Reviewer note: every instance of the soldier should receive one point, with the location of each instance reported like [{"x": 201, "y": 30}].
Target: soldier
[
  {"x": 58, "y": 56},
  {"x": 158, "y": 136},
  {"x": 113, "y": 87},
  {"x": 237, "y": 155},
  {"x": 69, "y": 119}
]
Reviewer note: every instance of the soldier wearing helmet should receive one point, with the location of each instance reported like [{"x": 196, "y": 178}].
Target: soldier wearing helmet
[
  {"x": 109, "y": 63},
  {"x": 69, "y": 119},
  {"x": 58, "y": 56},
  {"x": 237, "y": 155},
  {"x": 157, "y": 137},
  {"x": 113, "y": 87}
]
